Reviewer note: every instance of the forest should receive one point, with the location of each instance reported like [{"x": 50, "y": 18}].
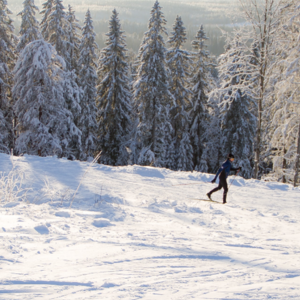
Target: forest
[
  {"x": 135, "y": 14},
  {"x": 167, "y": 100}
]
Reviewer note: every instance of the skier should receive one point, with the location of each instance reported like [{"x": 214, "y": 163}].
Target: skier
[{"x": 223, "y": 173}]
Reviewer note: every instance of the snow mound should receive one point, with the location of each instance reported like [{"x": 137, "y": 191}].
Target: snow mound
[
  {"x": 102, "y": 223},
  {"x": 11, "y": 204},
  {"x": 108, "y": 285}
]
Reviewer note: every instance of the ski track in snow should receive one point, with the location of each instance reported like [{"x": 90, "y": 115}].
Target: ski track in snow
[{"x": 133, "y": 234}]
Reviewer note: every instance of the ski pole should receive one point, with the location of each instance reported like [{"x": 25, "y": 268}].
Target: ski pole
[
  {"x": 233, "y": 179},
  {"x": 190, "y": 183},
  {"x": 187, "y": 184}
]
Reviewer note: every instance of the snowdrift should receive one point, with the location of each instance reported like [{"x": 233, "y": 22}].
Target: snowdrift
[{"x": 138, "y": 233}]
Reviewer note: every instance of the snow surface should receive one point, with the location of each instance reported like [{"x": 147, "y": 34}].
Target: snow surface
[{"x": 135, "y": 233}]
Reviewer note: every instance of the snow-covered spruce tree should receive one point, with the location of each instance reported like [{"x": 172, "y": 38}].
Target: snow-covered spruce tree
[
  {"x": 179, "y": 64},
  {"x": 72, "y": 95},
  {"x": 40, "y": 107},
  {"x": 7, "y": 60},
  {"x": 46, "y": 11},
  {"x": 58, "y": 30},
  {"x": 74, "y": 40},
  {"x": 201, "y": 81},
  {"x": 237, "y": 122},
  {"x": 151, "y": 92},
  {"x": 29, "y": 30},
  {"x": 133, "y": 147},
  {"x": 212, "y": 154},
  {"x": 88, "y": 80},
  {"x": 170, "y": 154},
  {"x": 72, "y": 89},
  {"x": 114, "y": 97}
]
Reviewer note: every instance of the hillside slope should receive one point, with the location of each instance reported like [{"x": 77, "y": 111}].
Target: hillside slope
[{"x": 136, "y": 233}]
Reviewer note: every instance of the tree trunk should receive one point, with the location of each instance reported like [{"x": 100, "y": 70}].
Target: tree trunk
[
  {"x": 258, "y": 136},
  {"x": 15, "y": 120},
  {"x": 0, "y": 96},
  {"x": 40, "y": 117},
  {"x": 297, "y": 159},
  {"x": 283, "y": 165},
  {"x": 153, "y": 130}
]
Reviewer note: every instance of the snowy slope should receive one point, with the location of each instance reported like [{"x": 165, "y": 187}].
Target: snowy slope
[{"x": 135, "y": 233}]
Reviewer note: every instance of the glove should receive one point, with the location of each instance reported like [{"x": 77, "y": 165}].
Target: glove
[
  {"x": 238, "y": 170},
  {"x": 213, "y": 181}
]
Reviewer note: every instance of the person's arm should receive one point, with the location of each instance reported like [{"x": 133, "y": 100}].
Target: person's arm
[
  {"x": 219, "y": 171},
  {"x": 235, "y": 169}
]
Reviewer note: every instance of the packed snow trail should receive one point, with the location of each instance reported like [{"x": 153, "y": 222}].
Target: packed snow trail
[{"x": 131, "y": 234}]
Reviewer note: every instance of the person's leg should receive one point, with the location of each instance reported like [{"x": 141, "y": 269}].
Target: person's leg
[
  {"x": 214, "y": 190},
  {"x": 225, "y": 187},
  {"x": 223, "y": 183}
]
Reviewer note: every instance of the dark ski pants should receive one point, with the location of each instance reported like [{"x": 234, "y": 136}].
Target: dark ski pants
[{"x": 222, "y": 184}]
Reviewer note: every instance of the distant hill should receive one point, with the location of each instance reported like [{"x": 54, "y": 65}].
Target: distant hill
[{"x": 134, "y": 16}]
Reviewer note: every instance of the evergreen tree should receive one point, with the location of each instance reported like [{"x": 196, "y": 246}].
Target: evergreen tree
[
  {"x": 170, "y": 152},
  {"x": 185, "y": 157},
  {"x": 151, "y": 92},
  {"x": 212, "y": 149},
  {"x": 72, "y": 90},
  {"x": 7, "y": 60},
  {"x": 179, "y": 64},
  {"x": 114, "y": 97},
  {"x": 40, "y": 106},
  {"x": 88, "y": 79},
  {"x": 58, "y": 30},
  {"x": 72, "y": 95},
  {"x": 200, "y": 88},
  {"x": 74, "y": 39},
  {"x": 47, "y": 9},
  {"x": 29, "y": 30}
]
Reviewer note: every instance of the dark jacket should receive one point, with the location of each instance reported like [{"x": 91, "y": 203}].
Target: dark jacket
[{"x": 226, "y": 167}]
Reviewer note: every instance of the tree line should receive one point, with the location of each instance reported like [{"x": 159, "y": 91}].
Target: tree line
[{"x": 167, "y": 107}]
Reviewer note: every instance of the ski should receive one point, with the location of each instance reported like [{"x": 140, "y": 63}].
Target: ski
[{"x": 207, "y": 200}]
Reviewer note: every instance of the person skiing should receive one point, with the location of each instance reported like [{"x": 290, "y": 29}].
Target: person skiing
[{"x": 223, "y": 173}]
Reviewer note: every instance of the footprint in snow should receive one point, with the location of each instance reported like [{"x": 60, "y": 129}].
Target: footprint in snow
[
  {"x": 63, "y": 214},
  {"x": 180, "y": 210},
  {"x": 42, "y": 229}
]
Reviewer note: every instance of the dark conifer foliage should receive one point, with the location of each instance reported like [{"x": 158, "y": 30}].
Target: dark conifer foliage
[
  {"x": 7, "y": 61},
  {"x": 114, "y": 97},
  {"x": 30, "y": 30},
  {"x": 180, "y": 64},
  {"x": 200, "y": 86},
  {"x": 88, "y": 80},
  {"x": 152, "y": 92}
]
